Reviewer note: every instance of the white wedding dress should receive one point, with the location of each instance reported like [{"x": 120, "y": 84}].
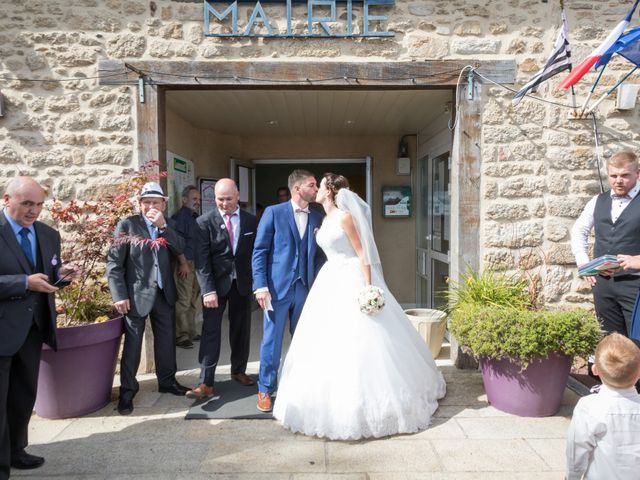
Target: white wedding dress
[{"x": 349, "y": 375}]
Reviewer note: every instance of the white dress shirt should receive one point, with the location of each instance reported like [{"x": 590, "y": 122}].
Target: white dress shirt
[
  {"x": 582, "y": 228},
  {"x": 301, "y": 216},
  {"x": 603, "y": 441}
]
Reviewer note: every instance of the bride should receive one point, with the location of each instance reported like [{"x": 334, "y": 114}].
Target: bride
[{"x": 350, "y": 375}]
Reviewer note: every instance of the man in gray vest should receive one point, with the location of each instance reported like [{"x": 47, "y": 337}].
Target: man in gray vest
[{"x": 615, "y": 218}]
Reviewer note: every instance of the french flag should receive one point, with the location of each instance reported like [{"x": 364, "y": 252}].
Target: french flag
[{"x": 581, "y": 70}]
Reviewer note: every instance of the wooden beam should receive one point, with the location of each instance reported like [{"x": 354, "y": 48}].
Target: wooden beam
[
  {"x": 150, "y": 116},
  {"x": 465, "y": 199},
  {"x": 314, "y": 74}
]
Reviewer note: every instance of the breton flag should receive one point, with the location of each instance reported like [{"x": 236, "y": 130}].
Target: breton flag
[
  {"x": 600, "y": 53},
  {"x": 559, "y": 61}
]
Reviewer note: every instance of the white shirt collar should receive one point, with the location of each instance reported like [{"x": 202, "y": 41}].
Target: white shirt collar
[
  {"x": 632, "y": 193},
  {"x": 236, "y": 212},
  {"x": 298, "y": 207}
]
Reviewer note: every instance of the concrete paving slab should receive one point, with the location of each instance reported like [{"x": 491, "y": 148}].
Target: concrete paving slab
[
  {"x": 42, "y": 430},
  {"x": 468, "y": 476},
  {"x": 439, "y": 428},
  {"x": 552, "y": 451},
  {"x": 468, "y": 394},
  {"x": 109, "y": 452},
  {"x": 514, "y": 427},
  {"x": 384, "y": 455},
  {"x": 330, "y": 476},
  {"x": 488, "y": 455},
  {"x": 230, "y": 455}
]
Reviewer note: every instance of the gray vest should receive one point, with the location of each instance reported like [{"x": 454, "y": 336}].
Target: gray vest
[{"x": 621, "y": 237}]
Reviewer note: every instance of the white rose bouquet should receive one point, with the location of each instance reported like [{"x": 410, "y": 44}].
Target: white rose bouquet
[{"x": 371, "y": 300}]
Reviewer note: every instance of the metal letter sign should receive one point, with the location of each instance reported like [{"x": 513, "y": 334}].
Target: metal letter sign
[{"x": 321, "y": 17}]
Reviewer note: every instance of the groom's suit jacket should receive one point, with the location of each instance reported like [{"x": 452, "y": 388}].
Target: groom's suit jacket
[
  {"x": 132, "y": 267},
  {"x": 214, "y": 257},
  {"x": 18, "y": 306},
  {"x": 277, "y": 249}
]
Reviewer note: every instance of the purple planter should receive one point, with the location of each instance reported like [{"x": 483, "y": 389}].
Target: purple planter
[
  {"x": 77, "y": 379},
  {"x": 535, "y": 391}
]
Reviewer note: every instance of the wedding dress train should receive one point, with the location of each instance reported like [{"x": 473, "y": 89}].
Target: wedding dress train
[{"x": 349, "y": 375}]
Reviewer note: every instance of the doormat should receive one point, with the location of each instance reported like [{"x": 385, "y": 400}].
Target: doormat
[{"x": 232, "y": 400}]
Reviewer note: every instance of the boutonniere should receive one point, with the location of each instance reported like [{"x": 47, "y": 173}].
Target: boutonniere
[
  {"x": 223, "y": 226},
  {"x": 54, "y": 260}
]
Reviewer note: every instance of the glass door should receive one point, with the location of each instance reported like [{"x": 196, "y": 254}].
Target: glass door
[{"x": 433, "y": 230}]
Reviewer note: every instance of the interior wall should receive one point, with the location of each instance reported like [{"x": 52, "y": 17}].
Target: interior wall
[{"x": 210, "y": 151}]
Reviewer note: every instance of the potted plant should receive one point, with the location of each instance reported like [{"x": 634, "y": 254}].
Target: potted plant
[
  {"x": 77, "y": 379},
  {"x": 525, "y": 351}
]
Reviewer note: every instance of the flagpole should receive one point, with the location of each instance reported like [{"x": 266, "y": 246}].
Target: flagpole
[
  {"x": 584, "y": 105},
  {"x": 595, "y": 105},
  {"x": 566, "y": 26}
]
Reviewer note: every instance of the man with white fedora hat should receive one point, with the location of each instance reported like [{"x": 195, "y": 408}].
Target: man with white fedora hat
[{"x": 141, "y": 282}]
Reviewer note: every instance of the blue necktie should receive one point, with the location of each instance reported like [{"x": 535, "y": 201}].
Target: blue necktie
[
  {"x": 25, "y": 243},
  {"x": 154, "y": 236}
]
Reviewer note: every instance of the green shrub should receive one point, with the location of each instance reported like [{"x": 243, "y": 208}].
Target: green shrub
[
  {"x": 488, "y": 288},
  {"x": 520, "y": 334}
]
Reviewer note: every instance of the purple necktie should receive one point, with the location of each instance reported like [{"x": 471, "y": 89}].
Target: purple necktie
[{"x": 227, "y": 222}]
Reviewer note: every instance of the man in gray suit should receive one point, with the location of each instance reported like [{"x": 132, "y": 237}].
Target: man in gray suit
[
  {"x": 141, "y": 281},
  {"x": 30, "y": 274}
]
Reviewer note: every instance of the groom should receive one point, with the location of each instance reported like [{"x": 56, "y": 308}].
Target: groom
[{"x": 285, "y": 263}]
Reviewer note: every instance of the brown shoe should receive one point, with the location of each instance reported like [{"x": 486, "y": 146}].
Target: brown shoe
[
  {"x": 201, "y": 391},
  {"x": 243, "y": 379},
  {"x": 265, "y": 404}
]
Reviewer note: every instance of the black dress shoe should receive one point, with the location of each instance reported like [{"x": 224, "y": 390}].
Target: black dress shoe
[
  {"x": 24, "y": 461},
  {"x": 175, "y": 389},
  {"x": 125, "y": 407},
  {"x": 185, "y": 344}
]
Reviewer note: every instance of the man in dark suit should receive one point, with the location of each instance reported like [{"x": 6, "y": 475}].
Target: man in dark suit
[
  {"x": 141, "y": 281},
  {"x": 223, "y": 252},
  {"x": 30, "y": 269}
]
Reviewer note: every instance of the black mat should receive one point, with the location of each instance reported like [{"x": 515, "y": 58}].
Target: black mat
[{"x": 232, "y": 400}]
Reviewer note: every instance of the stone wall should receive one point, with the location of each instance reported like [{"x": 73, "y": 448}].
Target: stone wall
[{"x": 538, "y": 166}]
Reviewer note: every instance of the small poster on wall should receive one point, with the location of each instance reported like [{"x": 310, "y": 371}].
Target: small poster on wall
[
  {"x": 396, "y": 201},
  {"x": 180, "y": 174},
  {"x": 207, "y": 194}
]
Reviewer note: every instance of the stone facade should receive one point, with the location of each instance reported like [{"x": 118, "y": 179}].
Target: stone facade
[{"x": 538, "y": 166}]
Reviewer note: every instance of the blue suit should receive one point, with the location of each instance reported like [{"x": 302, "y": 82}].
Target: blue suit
[{"x": 287, "y": 265}]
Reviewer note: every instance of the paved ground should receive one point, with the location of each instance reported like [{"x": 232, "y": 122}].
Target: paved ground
[{"x": 469, "y": 439}]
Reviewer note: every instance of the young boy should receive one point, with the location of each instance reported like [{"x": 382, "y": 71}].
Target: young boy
[{"x": 603, "y": 441}]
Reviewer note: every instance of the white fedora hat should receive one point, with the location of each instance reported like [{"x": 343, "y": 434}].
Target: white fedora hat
[{"x": 152, "y": 189}]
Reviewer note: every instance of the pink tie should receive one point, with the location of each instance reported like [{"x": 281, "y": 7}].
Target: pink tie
[{"x": 229, "y": 227}]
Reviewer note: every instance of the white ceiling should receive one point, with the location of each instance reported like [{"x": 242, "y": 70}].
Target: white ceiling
[{"x": 310, "y": 112}]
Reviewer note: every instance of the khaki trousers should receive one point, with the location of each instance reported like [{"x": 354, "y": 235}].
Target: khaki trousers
[{"x": 188, "y": 304}]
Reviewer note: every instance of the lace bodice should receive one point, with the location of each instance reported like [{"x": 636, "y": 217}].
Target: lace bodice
[{"x": 334, "y": 241}]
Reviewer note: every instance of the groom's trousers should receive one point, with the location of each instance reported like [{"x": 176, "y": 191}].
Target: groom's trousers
[{"x": 274, "y": 323}]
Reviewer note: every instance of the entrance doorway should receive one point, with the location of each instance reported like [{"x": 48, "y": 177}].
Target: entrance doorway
[
  {"x": 257, "y": 137},
  {"x": 434, "y": 230}
]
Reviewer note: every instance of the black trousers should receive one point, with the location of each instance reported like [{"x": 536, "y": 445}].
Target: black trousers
[
  {"x": 163, "y": 325},
  {"x": 239, "y": 334},
  {"x": 614, "y": 299},
  {"x": 18, "y": 385}
]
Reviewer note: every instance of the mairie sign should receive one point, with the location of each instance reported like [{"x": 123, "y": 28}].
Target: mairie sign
[{"x": 324, "y": 18}]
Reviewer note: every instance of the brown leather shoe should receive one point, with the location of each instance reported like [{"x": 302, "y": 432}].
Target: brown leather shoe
[
  {"x": 265, "y": 404},
  {"x": 243, "y": 379},
  {"x": 201, "y": 391}
]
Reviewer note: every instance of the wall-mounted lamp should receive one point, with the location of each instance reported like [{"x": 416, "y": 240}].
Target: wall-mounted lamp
[{"x": 403, "y": 164}]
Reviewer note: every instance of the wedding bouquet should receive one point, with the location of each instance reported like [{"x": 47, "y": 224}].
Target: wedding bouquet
[{"x": 371, "y": 300}]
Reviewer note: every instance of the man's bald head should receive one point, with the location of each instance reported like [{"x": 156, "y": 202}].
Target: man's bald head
[
  {"x": 227, "y": 195},
  {"x": 23, "y": 200}
]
